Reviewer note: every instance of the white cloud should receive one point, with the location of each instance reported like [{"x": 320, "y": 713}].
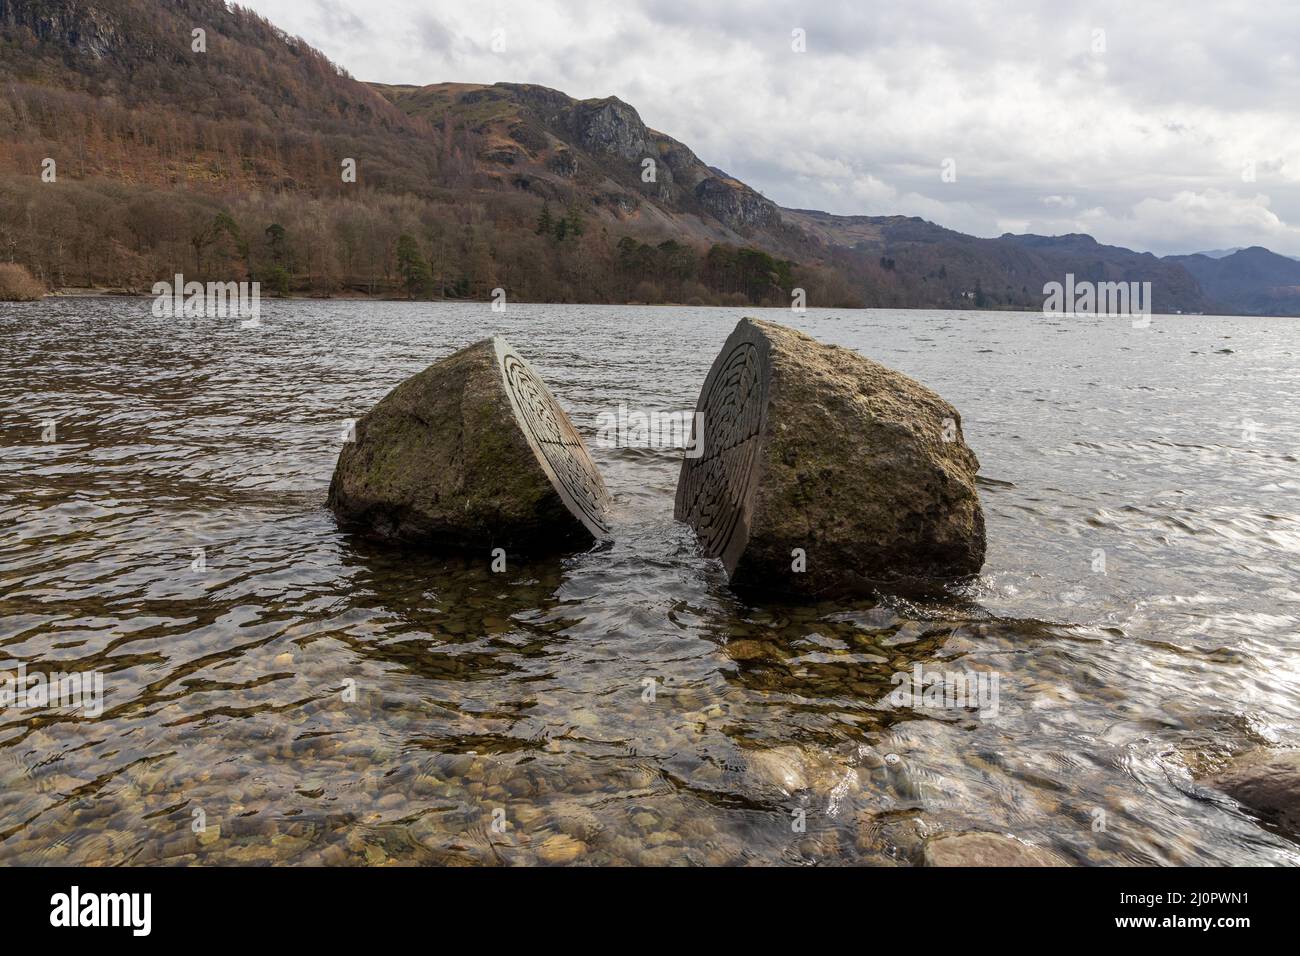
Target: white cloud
[{"x": 1232, "y": 219}]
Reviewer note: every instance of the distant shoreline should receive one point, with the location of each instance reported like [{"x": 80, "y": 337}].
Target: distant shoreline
[{"x": 81, "y": 292}]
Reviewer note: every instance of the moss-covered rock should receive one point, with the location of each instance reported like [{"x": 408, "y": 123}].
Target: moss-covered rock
[
  {"x": 471, "y": 454},
  {"x": 823, "y": 474}
]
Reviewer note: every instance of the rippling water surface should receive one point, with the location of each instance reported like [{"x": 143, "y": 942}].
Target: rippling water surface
[{"x": 312, "y": 698}]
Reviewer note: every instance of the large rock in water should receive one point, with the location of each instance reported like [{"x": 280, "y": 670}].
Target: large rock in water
[
  {"x": 815, "y": 456},
  {"x": 471, "y": 454},
  {"x": 1267, "y": 783}
]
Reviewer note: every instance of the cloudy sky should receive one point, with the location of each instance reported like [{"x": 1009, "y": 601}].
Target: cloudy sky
[{"x": 1169, "y": 127}]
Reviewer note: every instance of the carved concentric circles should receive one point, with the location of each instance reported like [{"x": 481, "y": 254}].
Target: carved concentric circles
[
  {"x": 716, "y": 490},
  {"x": 558, "y": 447}
]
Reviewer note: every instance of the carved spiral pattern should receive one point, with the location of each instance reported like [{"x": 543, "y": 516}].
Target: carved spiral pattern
[
  {"x": 553, "y": 436},
  {"x": 715, "y": 489}
]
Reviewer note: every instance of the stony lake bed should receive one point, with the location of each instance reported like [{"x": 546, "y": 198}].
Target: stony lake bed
[{"x": 279, "y": 691}]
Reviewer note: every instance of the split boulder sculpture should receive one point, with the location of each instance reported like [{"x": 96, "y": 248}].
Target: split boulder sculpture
[{"x": 820, "y": 473}]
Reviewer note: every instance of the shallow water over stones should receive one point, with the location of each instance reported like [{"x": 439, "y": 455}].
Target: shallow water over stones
[{"x": 312, "y": 698}]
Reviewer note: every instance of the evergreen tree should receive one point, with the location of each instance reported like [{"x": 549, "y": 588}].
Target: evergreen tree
[
  {"x": 573, "y": 221},
  {"x": 275, "y": 240},
  {"x": 414, "y": 269}
]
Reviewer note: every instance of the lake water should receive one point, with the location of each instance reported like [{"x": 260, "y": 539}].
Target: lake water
[{"x": 275, "y": 690}]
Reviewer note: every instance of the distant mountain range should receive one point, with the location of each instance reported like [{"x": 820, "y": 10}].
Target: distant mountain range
[
  {"x": 541, "y": 140},
  {"x": 249, "y": 134},
  {"x": 1253, "y": 281},
  {"x": 1220, "y": 253}
]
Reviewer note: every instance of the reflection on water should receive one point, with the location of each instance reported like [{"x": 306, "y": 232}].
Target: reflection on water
[{"x": 277, "y": 691}]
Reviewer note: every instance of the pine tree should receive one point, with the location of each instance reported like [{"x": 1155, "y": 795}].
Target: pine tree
[
  {"x": 416, "y": 274},
  {"x": 573, "y": 220},
  {"x": 275, "y": 236},
  {"x": 545, "y": 223}
]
